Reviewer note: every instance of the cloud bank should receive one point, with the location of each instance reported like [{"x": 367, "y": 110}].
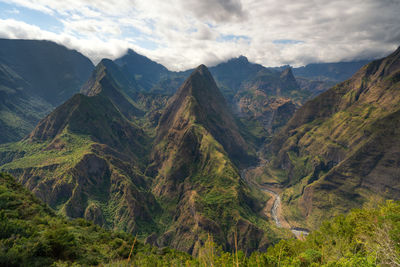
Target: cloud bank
[{"x": 182, "y": 34}]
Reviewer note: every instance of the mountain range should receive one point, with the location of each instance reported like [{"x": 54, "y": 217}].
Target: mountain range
[{"x": 174, "y": 157}]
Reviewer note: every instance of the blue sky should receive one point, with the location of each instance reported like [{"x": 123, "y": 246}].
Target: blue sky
[{"x": 182, "y": 34}]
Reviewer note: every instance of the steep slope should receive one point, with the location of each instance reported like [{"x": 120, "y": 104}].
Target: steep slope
[
  {"x": 342, "y": 148},
  {"x": 35, "y": 76},
  {"x": 195, "y": 179},
  {"x": 208, "y": 107},
  {"x": 85, "y": 159}
]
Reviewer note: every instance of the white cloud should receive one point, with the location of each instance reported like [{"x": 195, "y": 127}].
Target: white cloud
[{"x": 184, "y": 33}]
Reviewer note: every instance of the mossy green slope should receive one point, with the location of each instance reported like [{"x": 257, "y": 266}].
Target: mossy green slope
[
  {"x": 195, "y": 178},
  {"x": 342, "y": 148}
]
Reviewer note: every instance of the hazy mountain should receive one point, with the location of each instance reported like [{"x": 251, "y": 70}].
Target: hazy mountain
[
  {"x": 146, "y": 72},
  {"x": 109, "y": 81},
  {"x": 336, "y": 72},
  {"x": 54, "y": 72},
  {"x": 35, "y": 77}
]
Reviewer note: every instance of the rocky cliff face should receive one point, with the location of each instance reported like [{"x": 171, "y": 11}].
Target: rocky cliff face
[{"x": 341, "y": 149}]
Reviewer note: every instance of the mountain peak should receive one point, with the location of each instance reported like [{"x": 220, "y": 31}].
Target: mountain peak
[
  {"x": 202, "y": 68},
  {"x": 243, "y": 59},
  {"x": 239, "y": 60},
  {"x": 108, "y": 80},
  {"x": 201, "y": 86},
  {"x": 287, "y": 74},
  {"x": 131, "y": 52},
  {"x": 199, "y": 100}
]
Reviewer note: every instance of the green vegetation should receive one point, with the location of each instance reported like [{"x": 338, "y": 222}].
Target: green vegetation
[{"x": 32, "y": 235}]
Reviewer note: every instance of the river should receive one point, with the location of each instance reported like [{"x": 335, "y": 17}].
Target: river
[{"x": 276, "y": 208}]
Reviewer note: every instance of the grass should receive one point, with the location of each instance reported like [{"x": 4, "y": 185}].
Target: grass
[{"x": 37, "y": 155}]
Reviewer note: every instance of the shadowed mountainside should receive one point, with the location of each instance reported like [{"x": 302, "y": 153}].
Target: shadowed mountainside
[{"x": 35, "y": 77}]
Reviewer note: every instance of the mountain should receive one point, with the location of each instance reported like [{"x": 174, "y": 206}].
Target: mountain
[
  {"x": 336, "y": 72},
  {"x": 341, "y": 149},
  {"x": 35, "y": 77},
  {"x": 241, "y": 82},
  {"x": 196, "y": 181},
  {"x": 109, "y": 81},
  {"x": 54, "y": 72},
  {"x": 319, "y": 77},
  {"x": 256, "y": 95},
  {"x": 232, "y": 73},
  {"x": 145, "y": 71},
  {"x": 238, "y": 74},
  {"x": 86, "y": 159},
  {"x": 18, "y": 110},
  {"x": 89, "y": 159},
  {"x": 200, "y": 97}
]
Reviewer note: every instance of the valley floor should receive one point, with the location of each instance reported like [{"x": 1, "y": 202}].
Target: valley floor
[{"x": 273, "y": 207}]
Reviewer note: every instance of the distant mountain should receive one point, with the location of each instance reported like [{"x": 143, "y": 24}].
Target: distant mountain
[
  {"x": 145, "y": 71},
  {"x": 341, "y": 149},
  {"x": 195, "y": 176},
  {"x": 240, "y": 81},
  {"x": 256, "y": 95},
  {"x": 35, "y": 77},
  {"x": 109, "y": 81},
  {"x": 319, "y": 77},
  {"x": 234, "y": 72},
  {"x": 336, "y": 72},
  {"x": 54, "y": 72}
]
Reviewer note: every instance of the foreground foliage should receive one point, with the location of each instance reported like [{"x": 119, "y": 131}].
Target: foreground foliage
[{"x": 32, "y": 235}]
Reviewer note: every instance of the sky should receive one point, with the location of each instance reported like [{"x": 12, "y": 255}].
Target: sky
[{"x": 181, "y": 34}]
